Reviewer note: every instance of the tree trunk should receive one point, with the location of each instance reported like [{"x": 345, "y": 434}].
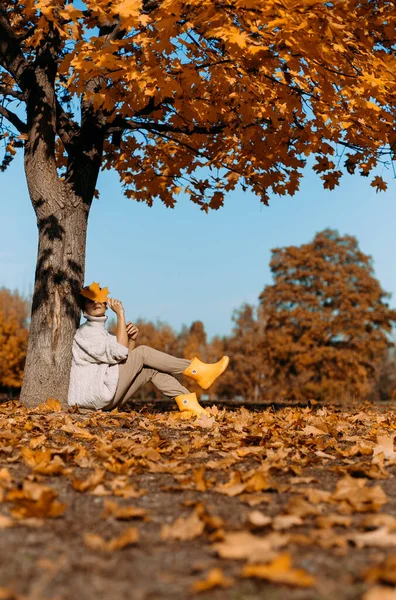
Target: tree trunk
[
  {"x": 55, "y": 314},
  {"x": 62, "y": 207}
]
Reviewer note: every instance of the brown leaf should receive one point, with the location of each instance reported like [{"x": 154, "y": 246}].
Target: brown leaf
[
  {"x": 286, "y": 521},
  {"x": 34, "y": 500},
  {"x": 355, "y": 496},
  {"x": 385, "y": 446},
  {"x": 89, "y": 483},
  {"x": 300, "y": 507},
  {"x": 258, "y": 519},
  {"x": 129, "y": 537},
  {"x": 183, "y": 528},
  {"x": 380, "y": 593},
  {"x": 245, "y": 545},
  {"x": 380, "y": 520},
  {"x": 112, "y": 509},
  {"x": 255, "y": 499},
  {"x": 379, "y": 538},
  {"x": 205, "y": 421},
  {"x": 384, "y": 573},
  {"x": 328, "y": 521}
]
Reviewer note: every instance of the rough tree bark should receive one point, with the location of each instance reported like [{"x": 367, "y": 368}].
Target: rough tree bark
[
  {"x": 62, "y": 207},
  {"x": 61, "y": 203}
]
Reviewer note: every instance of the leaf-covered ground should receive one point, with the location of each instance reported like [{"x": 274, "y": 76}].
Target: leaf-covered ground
[{"x": 298, "y": 503}]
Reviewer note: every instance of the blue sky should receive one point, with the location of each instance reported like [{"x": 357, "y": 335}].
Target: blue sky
[{"x": 181, "y": 265}]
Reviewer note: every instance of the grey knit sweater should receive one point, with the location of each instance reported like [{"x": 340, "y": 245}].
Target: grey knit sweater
[{"x": 94, "y": 372}]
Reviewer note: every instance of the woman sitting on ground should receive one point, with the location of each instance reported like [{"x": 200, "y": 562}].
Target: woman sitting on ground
[{"x": 108, "y": 370}]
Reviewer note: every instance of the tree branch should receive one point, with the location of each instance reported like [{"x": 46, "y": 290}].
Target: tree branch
[
  {"x": 6, "y": 91},
  {"x": 120, "y": 124},
  {"x": 11, "y": 56},
  {"x": 13, "y": 119}
]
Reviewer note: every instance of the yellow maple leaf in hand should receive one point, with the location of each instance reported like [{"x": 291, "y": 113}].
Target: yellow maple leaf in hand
[{"x": 95, "y": 292}]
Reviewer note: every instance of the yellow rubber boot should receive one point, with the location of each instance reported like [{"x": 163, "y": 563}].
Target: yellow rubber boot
[
  {"x": 189, "y": 402},
  {"x": 205, "y": 374}
]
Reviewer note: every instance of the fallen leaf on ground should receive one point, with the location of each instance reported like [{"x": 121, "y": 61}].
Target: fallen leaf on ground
[
  {"x": 34, "y": 500},
  {"x": 384, "y": 572},
  {"x": 380, "y": 593},
  {"x": 127, "y": 538},
  {"x": 327, "y": 521},
  {"x": 300, "y": 507},
  {"x": 286, "y": 521},
  {"x": 183, "y": 528},
  {"x": 205, "y": 421},
  {"x": 385, "y": 446},
  {"x": 258, "y": 519},
  {"x": 244, "y": 545},
  {"x": 280, "y": 571},
  {"x": 379, "y": 538},
  {"x": 49, "y": 406},
  {"x": 356, "y": 496},
  {"x": 379, "y": 520},
  {"x": 215, "y": 578},
  {"x": 123, "y": 513},
  {"x": 90, "y": 482}
]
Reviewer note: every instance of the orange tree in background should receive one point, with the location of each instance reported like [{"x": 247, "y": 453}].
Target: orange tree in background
[
  {"x": 248, "y": 371},
  {"x": 192, "y": 96},
  {"x": 326, "y": 321},
  {"x": 13, "y": 338}
]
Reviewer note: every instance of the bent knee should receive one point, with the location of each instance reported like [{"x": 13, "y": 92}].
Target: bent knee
[{"x": 141, "y": 350}]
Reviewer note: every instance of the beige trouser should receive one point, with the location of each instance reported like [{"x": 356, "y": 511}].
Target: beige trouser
[{"x": 145, "y": 364}]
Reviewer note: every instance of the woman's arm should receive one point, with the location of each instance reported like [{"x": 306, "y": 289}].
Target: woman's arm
[
  {"x": 132, "y": 332},
  {"x": 121, "y": 332}
]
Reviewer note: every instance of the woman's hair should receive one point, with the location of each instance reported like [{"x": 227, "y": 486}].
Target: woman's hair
[{"x": 82, "y": 301}]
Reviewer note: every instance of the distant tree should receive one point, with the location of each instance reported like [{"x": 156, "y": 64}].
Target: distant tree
[
  {"x": 247, "y": 371},
  {"x": 14, "y": 311},
  {"x": 385, "y": 386},
  {"x": 327, "y": 320}
]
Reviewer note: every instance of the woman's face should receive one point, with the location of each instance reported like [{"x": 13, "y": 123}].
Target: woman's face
[{"x": 95, "y": 309}]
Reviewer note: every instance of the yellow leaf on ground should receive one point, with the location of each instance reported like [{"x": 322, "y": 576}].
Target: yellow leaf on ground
[
  {"x": 49, "y": 406},
  {"x": 214, "y": 579},
  {"x": 280, "y": 571}
]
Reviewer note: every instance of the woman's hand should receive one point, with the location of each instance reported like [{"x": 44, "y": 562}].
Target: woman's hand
[
  {"x": 132, "y": 331},
  {"x": 116, "y": 306}
]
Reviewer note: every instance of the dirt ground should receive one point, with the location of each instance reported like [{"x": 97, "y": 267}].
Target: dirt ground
[{"x": 296, "y": 503}]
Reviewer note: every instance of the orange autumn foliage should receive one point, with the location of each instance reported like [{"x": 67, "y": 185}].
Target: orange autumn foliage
[
  {"x": 326, "y": 321},
  {"x": 13, "y": 338},
  {"x": 247, "y": 89}
]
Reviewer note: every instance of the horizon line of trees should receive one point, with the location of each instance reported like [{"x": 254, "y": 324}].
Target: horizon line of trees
[{"x": 321, "y": 331}]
